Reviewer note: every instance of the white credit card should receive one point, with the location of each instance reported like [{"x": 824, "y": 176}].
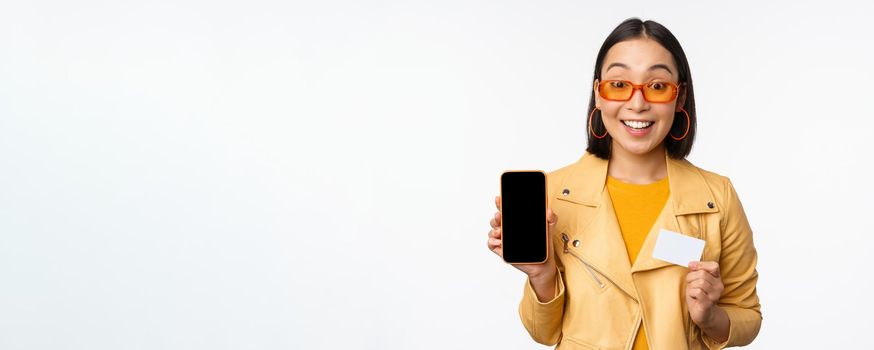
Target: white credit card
[{"x": 677, "y": 248}]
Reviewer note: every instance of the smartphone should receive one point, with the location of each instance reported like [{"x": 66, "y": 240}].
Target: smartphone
[{"x": 523, "y": 216}]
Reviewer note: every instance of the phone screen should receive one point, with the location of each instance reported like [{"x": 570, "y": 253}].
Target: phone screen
[{"x": 523, "y": 216}]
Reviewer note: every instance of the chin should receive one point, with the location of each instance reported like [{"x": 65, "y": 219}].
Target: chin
[{"x": 639, "y": 148}]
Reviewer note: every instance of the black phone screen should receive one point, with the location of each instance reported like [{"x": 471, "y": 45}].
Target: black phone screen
[{"x": 523, "y": 216}]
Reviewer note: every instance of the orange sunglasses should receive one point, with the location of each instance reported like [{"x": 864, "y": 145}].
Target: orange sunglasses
[{"x": 622, "y": 90}]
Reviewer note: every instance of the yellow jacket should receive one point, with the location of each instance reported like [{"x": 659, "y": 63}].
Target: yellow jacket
[{"x": 602, "y": 299}]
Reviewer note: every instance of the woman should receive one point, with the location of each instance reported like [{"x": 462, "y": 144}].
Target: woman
[{"x": 601, "y": 288}]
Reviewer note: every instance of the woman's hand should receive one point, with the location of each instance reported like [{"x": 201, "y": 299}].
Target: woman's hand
[
  {"x": 536, "y": 272},
  {"x": 703, "y": 289}
]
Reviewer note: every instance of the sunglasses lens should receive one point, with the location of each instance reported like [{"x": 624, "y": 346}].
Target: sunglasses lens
[
  {"x": 616, "y": 90},
  {"x": 659, "y": 92}
]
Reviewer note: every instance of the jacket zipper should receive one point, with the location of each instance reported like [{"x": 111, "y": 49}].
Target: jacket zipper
[
  {"x": 638, "y": 318},
  {"x": 566, "y": 240}
]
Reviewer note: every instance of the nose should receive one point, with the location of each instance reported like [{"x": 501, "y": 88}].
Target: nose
[{"x": 637, "y": 103}]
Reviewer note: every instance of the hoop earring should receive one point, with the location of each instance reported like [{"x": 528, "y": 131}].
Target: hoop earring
[
  {"x": 591, "y": 130},
  {"x": 688, "y": 125}
]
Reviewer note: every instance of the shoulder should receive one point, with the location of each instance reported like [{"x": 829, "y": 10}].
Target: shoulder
[
  {"x": 713, "y": 179},
  {"x": 587, "y": 161},
  {"x": 562, "y": 172},
  {"x": 556, "y": 177},
  {"x": 720, "y": 186}
]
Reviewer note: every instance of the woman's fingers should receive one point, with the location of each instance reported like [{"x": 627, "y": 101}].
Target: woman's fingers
[
  {"x": 496, "y": 221},
  {"x": 701, "y": 274},
  {"x": 499, "y": 251},
  {"x": 711, "y": 267},
  {"x": 701, "y": 283},
  {"x": 495, "y": 246},
  {"x": 703, "y": 294},
  {"x": 703, "y": 279},
  {"x": 696, "y": 275},
  {"x": 697, "y": 293},
  {"x": 494, "y": 242}
]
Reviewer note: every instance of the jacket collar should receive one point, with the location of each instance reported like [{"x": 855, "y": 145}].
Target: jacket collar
[{"x": 689, "y": 191}]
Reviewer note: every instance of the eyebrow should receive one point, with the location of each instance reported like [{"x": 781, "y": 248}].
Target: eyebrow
[{"x": 654, "y": 67}]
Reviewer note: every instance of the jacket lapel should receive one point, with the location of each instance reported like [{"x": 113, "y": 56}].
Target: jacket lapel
[
  {"x": 601, "y": 244},
  {"x": 689, "y": 195}
]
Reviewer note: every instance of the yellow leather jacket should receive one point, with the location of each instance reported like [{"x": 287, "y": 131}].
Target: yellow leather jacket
[{"x": 602, "y": 299}]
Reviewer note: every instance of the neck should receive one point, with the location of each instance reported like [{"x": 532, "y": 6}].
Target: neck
[{"x": 637, "y": 168}]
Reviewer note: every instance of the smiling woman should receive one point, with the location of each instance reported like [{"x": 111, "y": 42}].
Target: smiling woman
[
  {"x": 602, "y": 288},
  {"x": 648, "y": 53}
]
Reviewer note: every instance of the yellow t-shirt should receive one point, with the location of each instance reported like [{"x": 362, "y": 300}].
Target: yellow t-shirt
[{"x": 637, "y": 207}]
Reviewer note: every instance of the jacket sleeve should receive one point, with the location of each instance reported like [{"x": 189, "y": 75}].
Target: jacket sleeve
[
  {"x": 737, "y": 265},
  {"x": 543, "y": 320}
]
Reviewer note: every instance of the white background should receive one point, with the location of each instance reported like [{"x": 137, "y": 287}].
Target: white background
[{"x": 320, "y": 175}]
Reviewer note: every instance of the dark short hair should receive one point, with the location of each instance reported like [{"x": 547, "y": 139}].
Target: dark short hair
[{"x": 634, "y": 28}]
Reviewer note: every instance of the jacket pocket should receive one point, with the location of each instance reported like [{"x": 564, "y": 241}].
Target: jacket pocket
[
  {"x": 568, "y": 343},
  {"x": 573, "y": 199}
]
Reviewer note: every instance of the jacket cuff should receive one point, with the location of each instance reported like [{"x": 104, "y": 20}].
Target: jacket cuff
[
  {"x": 740, "y": 329},
  {"x": 543, "y": 319},
  {"x": 557, "y": 300},
  {"x": 712, "y": 344}
]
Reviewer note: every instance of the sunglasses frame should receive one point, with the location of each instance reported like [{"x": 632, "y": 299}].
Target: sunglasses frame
[{"x": 640, "y": 87}]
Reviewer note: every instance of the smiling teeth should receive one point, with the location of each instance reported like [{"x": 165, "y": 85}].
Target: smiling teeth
[{"x": 637, "y": 124}]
